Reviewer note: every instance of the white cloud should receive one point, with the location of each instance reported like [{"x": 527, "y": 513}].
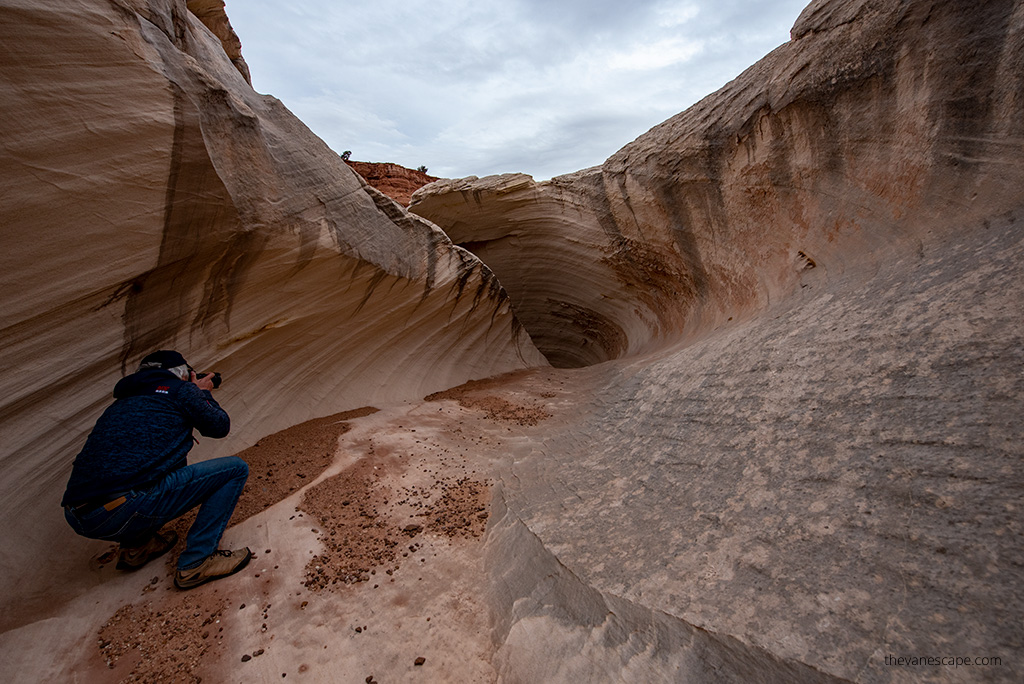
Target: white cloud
[
  {"x": 474, "y": 87},
  {"x": 676, "y": 14},
  {"x": 657, "y": 55}
]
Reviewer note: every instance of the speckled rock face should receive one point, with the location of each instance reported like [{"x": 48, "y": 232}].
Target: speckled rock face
[{"x": 836, "y": 481}]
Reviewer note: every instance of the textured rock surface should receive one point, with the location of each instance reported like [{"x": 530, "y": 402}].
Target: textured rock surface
[
  {"x": 812, "y": 281},
  {"x": 802, "y": 455},
  {"x": 211, "y": 13},
  {"x": 835, "y": 482},
  {"x": 153, "y": 200}
]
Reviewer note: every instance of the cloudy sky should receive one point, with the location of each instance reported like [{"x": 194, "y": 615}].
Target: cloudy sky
[{"x": 475, "y": 87}]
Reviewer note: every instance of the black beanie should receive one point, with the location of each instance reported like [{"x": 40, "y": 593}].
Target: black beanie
[{"x": 167, "y": 358}]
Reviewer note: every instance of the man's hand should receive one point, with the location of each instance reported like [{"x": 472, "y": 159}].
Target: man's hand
[{"x": 205, "y": 382}]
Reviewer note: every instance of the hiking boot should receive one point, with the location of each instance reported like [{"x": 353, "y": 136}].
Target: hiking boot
[
  {"x": 218, "y": 564},
  {"x": 134, "y": 558}
]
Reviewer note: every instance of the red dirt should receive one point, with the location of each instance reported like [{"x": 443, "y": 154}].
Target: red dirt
[
  {"x": 281, "y": 463},
  {"x": 365, "y": 522},
  {"x": 285, "y": 461},
  {"x": 163, "y": 640},
  {"x": 495, "y": 408}
]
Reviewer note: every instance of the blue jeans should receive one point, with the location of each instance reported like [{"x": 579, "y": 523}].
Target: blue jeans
[{"x": 214, "y": 485}]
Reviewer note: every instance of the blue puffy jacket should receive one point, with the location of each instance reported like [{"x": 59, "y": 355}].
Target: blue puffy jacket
[{"x": 143, "y": 435}]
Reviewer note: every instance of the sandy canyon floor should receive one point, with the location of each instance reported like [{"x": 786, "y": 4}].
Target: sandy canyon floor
[
  {"x": 367, "y": 529},
  {"x": 792, "y": 496}
]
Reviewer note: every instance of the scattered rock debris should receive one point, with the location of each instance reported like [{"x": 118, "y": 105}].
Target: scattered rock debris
[
  {"x": 361, "y": 524},
  {"x": 162, "y": 641},
  {"x": 470, "y": 396},
  {"x": 496, "y": 408},
  {"x": 355, "y": 536},
  {"x": 461, "y": 511}
]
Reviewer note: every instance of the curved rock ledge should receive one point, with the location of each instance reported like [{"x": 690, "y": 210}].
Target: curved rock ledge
[
  {"x": 551, "y": 626},
  {"x": 880, "y": 125},
  {"x": 153, "y": 200}
]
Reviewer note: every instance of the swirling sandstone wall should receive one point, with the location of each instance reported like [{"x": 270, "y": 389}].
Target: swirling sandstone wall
[
  {"x": 153, "y": 200},
  {"x": 878, "y": 125},
  {"x": 805, "y": 436}
]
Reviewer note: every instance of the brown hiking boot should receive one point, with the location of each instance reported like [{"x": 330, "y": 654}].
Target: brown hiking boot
[
  {"x": 218, "y": 564},
  {"x": 158, "y": 545}
]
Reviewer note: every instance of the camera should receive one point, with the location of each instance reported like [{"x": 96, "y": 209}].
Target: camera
[{"x": 216, "y": 378}]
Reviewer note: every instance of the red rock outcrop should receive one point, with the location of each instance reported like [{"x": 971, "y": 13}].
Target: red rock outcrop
[{"x": 395, "y": 181}]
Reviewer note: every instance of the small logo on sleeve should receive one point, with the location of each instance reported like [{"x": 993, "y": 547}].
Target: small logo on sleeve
[{"x": 163, "y": 389}]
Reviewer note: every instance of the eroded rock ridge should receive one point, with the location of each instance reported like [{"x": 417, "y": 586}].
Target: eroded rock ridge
[
  {"x": 154, "y": 200},
  {"x": 879, "y": 124}
]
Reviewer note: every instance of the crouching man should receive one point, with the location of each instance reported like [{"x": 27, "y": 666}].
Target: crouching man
[{"x": 132, "y": 475}]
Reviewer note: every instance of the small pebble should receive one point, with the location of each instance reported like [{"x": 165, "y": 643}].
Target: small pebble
[
  {"x": 420, "y": 661},
  {"x": 246, "y": 658}
]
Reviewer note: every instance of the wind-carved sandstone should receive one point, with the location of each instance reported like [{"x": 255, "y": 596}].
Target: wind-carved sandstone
[
  {"x": 154, "y": 200},
  {"x": 855, "y": 140},
  {"x": 811, "y": 281}
]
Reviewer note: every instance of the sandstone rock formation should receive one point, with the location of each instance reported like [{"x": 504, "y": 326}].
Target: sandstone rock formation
[
  {"x": 211, "y": 13},
  {"x": 811, "y": 280},
  {"x": 395, "y": 181},
  {"x": 857, "y": 139},
  {"x": 788, "y": 448},
  {"x": 154, "y": 200}
]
